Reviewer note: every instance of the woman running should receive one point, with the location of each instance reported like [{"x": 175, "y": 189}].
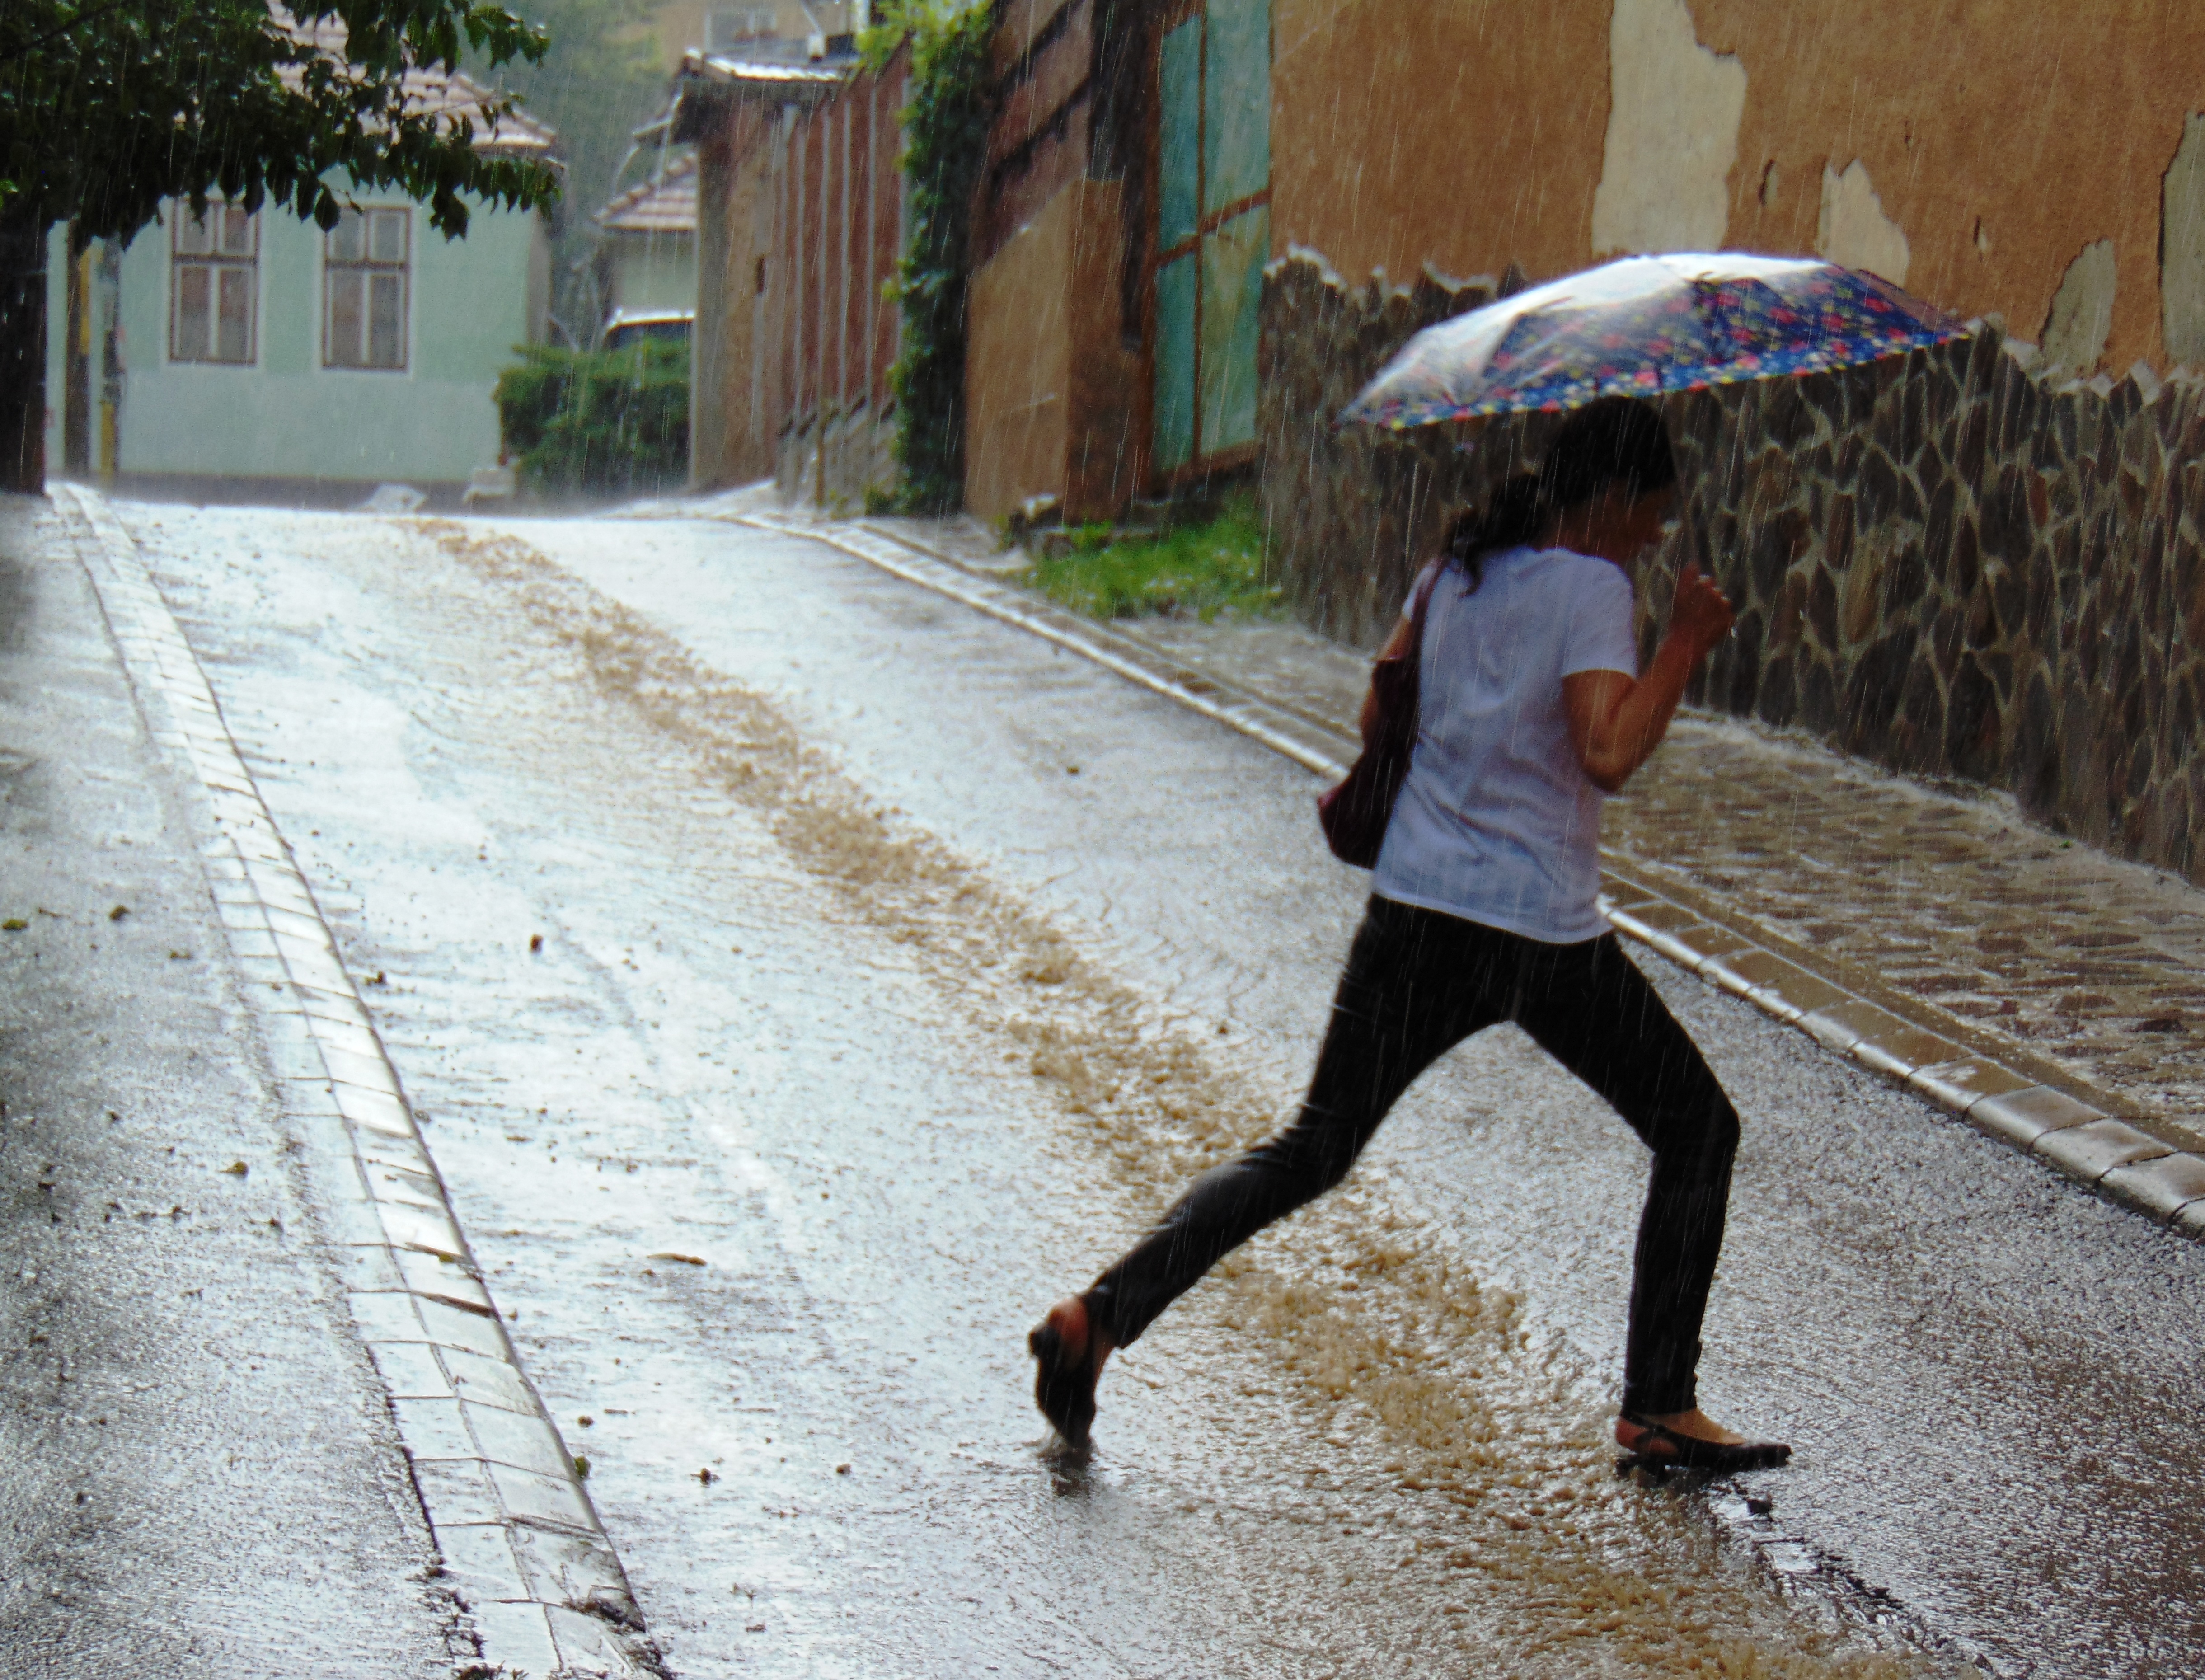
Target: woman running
[{"x": 1531, "y": 712}]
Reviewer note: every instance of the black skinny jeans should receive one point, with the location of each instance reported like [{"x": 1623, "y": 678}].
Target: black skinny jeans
[{"x": 1418, "y": 983}]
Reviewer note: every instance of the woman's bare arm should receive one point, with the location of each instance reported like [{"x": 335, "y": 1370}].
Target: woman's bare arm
[{"x": 1615, "y": 723}]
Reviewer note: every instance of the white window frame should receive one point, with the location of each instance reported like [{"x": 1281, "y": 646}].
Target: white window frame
[
  {"x": 341, "y": 267},
  {"x": 184, "y": 231}
]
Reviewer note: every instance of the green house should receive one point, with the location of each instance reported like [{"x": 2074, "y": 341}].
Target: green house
[{"x": 253, "y": 356}]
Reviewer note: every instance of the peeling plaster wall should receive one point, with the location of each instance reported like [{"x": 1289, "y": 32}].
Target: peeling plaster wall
[
  {"x": 1674, "y": 114},
  {"x": 2082, "y": 315},
  {"x": 1445, "y": 134},
  {"x": 1471, "y": 134},
  {"x": 2182, "y": 248},
  {"x": 2002, "y": 139},
  {"x": 1853, "y": 229}
]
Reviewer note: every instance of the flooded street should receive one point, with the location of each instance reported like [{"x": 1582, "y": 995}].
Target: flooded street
[{"x": 803, "y": 981}]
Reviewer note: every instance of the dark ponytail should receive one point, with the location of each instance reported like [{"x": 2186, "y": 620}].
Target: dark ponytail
[{"x": 1616, "y": 443}]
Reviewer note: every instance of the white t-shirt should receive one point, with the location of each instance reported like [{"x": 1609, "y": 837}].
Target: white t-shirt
[{"x": 1497, "y": 822}]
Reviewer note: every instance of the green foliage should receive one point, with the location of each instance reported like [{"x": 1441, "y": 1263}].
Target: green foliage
[
  {"x": 599, "y": 422},
  {"x": 1198, "y": 570},
  {"x": 107, "y": 107},
  {"x": 945, "y": 142}
]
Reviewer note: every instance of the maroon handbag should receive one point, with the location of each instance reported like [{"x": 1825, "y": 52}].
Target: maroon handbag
[{"x": 1354, "y": 814}]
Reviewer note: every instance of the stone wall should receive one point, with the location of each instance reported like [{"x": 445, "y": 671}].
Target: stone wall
[
  {"x": 855, "y": 461},
  {"x": 1942, "y": 563},
  {"x": 1350, "y": 512}
]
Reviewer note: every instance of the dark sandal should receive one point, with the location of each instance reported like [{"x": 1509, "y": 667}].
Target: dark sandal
[
  {"x": 1688, "y": 1452},
  {"x": 1064, "y": 1388}
]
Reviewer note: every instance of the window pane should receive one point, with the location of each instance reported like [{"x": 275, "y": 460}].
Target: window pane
[
  {"x": 386, "y": 321},
  {"x": 237, "y": 231},
  {"x": 189, "y": 341},
  {"x": 388, "y": 241},
  {"x": 193, "y": 237},
  {"x": 1233, "y": 261},
  {"x": 1236, "y": 152},
  {"x": 1174, "y": 390},
  {"x": 234, "y": 340},
  {"x": 349, "y": 239},
  {"x": 1182, "y": 98},
  {"x": 348, "y": 323}
]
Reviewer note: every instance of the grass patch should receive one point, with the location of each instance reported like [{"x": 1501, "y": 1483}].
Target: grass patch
[{"x": 1197, "y": 571}]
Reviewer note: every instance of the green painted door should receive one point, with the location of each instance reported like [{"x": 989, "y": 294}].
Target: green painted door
[{"x": 1213, "y": 228}]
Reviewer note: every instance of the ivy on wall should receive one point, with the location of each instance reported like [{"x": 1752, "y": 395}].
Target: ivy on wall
[{"x": 945, "y": 142}]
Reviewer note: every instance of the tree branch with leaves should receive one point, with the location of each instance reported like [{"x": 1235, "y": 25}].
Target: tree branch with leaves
[{"x": 109, "y": 109}]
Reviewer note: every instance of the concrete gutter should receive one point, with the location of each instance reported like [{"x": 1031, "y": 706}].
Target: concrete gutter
[
  {"x": 521, "y": 1543},
  {"x": 2085, "y": 1134}
]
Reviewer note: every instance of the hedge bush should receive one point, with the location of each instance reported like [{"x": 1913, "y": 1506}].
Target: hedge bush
[{"x": 598, "y": 421}]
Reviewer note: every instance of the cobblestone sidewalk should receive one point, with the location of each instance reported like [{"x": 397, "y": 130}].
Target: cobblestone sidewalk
[{"x": 1989, "y": 937}]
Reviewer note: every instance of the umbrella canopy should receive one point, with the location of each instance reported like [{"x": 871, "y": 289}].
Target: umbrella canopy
[{"x": 1643, "y": 325}]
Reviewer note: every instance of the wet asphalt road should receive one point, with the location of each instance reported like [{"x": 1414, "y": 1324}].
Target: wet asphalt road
[
  {"x": 201, "y": 1478},
  {"x": 894, "y": 969}
]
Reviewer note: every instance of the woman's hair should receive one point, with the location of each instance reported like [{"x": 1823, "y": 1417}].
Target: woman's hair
[{"x": 1616, "y": 443}]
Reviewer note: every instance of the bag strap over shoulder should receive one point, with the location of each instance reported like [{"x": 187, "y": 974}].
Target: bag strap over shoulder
[{"x": 1420, "y": 603}]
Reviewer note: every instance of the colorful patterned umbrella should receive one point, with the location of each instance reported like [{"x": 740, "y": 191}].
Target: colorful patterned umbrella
[{"x": 1643, "y": 325}]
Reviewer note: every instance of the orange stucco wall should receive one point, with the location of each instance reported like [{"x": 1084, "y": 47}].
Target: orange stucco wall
[
  {"x": 1465, "y": 134},
  {"x": 2002, "y": 138},
  {"x": 1049, "y": 382}
]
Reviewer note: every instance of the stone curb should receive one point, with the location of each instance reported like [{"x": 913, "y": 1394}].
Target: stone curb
[
  {"x": 2040, "y": 1114},
  {"x": 521, "y": 1543}
]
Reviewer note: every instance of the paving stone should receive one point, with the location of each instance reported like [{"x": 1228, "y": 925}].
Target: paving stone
[
  {"x": 485, "y": 1381},
  {"x": 352, "y": 1222},
  {"x": 1660, "y": 916},
  {"x": 258, "y": 971},
  {"x": 1783, "y": 987},
  {"x": 369, "y": 1074},
  {"x": 409, "y": 1369},
  {"x": 443, "y": 1279},
  {"x": 386, "y": 1315},
  {"x": 369, "y": 1267},
  {"x": 587, "y": 1644},
  {"x": 316, "y": 1097},
  {"x": 398, "y": 1188},
  {"x": 2023, "y": 1116},
  {"x": 1676, "y": 935},
  {"x": 282, "y": 919},
  {"x": 2162, "y": 1187},
  {"x": 1843, "y": 1025},
  {"x": 353, "y": 1037},
  {"x": 376, "y": 1111},
  {"x": 433, "y": 1428},
  {"x": 2094, "y": 1149},
  {"x": 456, "y": 1328},
  {"x": 571, "y": 1569},
  {"x": 521, "y": 1440},
  {"x": 296, "y": 1061},
  {"x": 1900, "y": 1052},
  {"x": 480, "y": 1558},
  {"x": 1967, "y": 1080},
  {"x": 245, "y": 916},
  {"x": 531, "y": 1498},
  {"x": 519, "y": 1636},
  {"x": 381, "y": 1149},
  {"x": 458, "y": 1490},
  {"x": 418, "y": 1228}
]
